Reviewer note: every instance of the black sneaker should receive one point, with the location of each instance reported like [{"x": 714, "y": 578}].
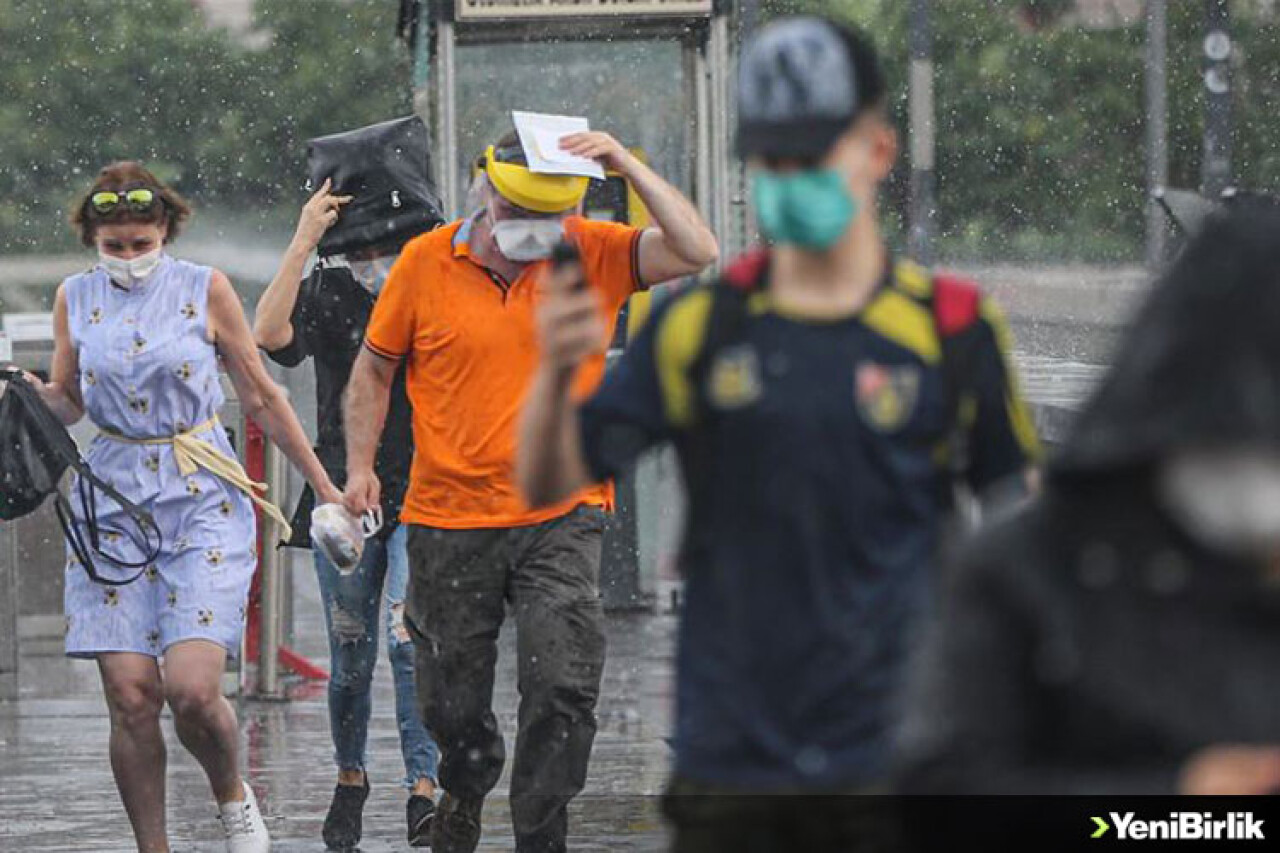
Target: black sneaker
[
  {"x": 421, "y": 811},
  {"x": 456, "y": 827},
  {"x": 344, "y": 823}
]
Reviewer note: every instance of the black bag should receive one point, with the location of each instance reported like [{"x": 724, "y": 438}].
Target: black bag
[
  {"x": 387, "y": 168},
  {"x": 36, "y": 451}
]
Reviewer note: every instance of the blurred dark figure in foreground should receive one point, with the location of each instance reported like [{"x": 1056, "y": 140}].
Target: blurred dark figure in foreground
[{"x": 1121, "y": 633}]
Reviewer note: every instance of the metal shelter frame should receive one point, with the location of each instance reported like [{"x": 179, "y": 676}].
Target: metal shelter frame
[{"x": 436, "y": 30}]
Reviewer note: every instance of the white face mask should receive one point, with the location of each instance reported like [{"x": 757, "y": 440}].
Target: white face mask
[
  {"x": 524, "y": 240},
  {"x": 372, "y": 274},
  {"x": 1227, "y": 499},
  {"x": 130, "y": 271}
]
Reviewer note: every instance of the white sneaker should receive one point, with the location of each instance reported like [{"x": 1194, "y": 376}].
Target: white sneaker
[{"x": 243, "y": 825}]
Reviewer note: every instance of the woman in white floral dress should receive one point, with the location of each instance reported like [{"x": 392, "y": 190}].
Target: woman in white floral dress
[{"x": 138, "y": 342}]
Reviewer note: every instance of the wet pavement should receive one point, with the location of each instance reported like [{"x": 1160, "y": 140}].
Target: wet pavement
[
  {"x": 57, "y": 793},
  {"x": 1055, "y": 389}
]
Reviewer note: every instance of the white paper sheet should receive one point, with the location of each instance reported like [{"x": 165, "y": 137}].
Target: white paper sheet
[{"x": 540, "y": 135}]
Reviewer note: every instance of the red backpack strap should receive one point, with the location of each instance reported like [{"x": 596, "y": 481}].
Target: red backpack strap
[
  {"x": 957, "y": 308},
  {"x": 957, "y": 303},
  {"x": 748, "y": 271}
]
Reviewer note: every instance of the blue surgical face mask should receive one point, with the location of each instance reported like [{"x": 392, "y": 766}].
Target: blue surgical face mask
[
  {"x": 372, "y": 273},
  {"x": 811, "y": 208}
]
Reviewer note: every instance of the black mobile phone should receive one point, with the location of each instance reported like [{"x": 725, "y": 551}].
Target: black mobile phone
[{"x": 566, "y": 253}]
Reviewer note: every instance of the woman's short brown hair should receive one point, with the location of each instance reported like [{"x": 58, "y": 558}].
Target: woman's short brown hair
[{"x": 169, "y": 209}]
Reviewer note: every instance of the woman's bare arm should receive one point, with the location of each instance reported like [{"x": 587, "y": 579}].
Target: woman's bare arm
[{"x": 260, "y": 397}]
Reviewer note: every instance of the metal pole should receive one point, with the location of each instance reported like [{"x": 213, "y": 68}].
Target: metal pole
[
  {"x": 1215, "y": 167},
  {"x": 922, "y": 207},
  {"x": 244, "y": 674},
  {"x": 738, "y": 208},
  {"x": 718, "y": 60},
  {"x": 1157, "y": 109},
  {"x": 8, "y": 587},
  {"x": 272, "y": 600},
  {"x": 696, "y": 63},
  {"x": 421, "y": 51},
  {"x": 447, "y": 114},
  {"x": 8, "y": 610}
]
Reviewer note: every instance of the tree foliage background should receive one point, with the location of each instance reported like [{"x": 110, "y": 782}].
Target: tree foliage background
[
  {"x": 1040, "y": 121},
  {"x": 224, "y": 118}
]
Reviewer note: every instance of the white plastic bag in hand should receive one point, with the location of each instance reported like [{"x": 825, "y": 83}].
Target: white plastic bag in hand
[{"x": 340, "y": 536}]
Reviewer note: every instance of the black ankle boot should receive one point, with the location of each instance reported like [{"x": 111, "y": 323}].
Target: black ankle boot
[
  {"x": 421, "y": 811},
  {"x": 344, "y": 823}
]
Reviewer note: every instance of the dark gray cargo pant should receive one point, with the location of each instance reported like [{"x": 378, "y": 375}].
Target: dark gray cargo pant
[{"x": 459, "y": 583}]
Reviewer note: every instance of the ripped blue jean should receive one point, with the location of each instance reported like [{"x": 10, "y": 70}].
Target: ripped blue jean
[{"x": 352, "y": 610}]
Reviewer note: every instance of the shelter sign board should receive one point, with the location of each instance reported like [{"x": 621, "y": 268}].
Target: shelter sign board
[{"x": 498, "y": 10}]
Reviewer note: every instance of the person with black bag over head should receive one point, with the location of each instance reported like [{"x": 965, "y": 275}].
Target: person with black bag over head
[
  {"x": 373, "y": 194},
  {"x": 138, "y": 342}
]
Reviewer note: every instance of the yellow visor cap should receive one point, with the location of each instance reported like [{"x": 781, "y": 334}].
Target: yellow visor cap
[{"x": 533, "y": 191}]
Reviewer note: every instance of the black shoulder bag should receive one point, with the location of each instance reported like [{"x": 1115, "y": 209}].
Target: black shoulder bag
[{"x": 35, "y": 451}]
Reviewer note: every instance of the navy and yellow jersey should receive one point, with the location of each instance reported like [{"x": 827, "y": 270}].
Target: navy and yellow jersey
[{"x": 824, "y": 441}]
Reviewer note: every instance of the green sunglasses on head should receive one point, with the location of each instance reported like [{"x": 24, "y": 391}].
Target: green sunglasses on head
[{"x": 139, "y": 199}]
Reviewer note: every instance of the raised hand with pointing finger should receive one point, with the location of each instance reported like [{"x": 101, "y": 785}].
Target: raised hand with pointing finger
[{"x": 318, "y": 215}]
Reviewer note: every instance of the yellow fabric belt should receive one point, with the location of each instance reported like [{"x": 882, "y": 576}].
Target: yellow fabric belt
[{"x": 192, "y": 453}]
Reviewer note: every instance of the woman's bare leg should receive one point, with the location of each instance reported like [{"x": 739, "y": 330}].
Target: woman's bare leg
[
  {"x": 135, "y": 696},
  {"x": 204, "y": 719}
]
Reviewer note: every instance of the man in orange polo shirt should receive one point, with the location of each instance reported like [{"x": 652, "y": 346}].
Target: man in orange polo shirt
[{"x": 459, "y": 305}]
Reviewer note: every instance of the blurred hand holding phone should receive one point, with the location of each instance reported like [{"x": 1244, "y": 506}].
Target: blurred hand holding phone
[
  {"x": 565, "y": 256},
  {"x": 571, "y": 325}
]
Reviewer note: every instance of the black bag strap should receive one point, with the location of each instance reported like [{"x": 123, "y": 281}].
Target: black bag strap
[
  {"x": 152, "y": 539},
  {"x": 150, "y": 543}
]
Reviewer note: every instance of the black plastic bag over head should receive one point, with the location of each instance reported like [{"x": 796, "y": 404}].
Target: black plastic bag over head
[
  {"x": 35, "y": 452},
  {"x": 387, "y": 168}
]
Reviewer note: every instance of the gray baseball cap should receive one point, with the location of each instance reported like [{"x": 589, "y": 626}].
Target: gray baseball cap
[{"x": 801, "y": 82}]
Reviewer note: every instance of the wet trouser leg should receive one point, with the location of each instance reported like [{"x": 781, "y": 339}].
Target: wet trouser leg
[
  {"x": 421, "y": 756},
  {"x": 455, "y": 610},
  {"x": 351, "y": 610},
  {"x": 554, "y": 590}
]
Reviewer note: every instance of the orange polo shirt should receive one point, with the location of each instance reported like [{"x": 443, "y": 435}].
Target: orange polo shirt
[{"x": 472, "y": 351}]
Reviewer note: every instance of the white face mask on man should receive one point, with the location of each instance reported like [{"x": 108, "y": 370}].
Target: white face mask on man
[
  {"x": 526, "y": 240},
  {"x": 1227, "y": 499},
  {"x": 126, "y": 272}
]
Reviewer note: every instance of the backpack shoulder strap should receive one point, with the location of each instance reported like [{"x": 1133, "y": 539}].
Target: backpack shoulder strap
[
  {"x": 749, "y": 272},
  {"x": 725, "y": 324},
  {"x": 956, "y": 304},
  {"x": 727, "y": 317}
]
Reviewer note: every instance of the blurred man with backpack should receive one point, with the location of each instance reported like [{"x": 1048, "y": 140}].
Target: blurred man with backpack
[{"x": 823, "y": 397}]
